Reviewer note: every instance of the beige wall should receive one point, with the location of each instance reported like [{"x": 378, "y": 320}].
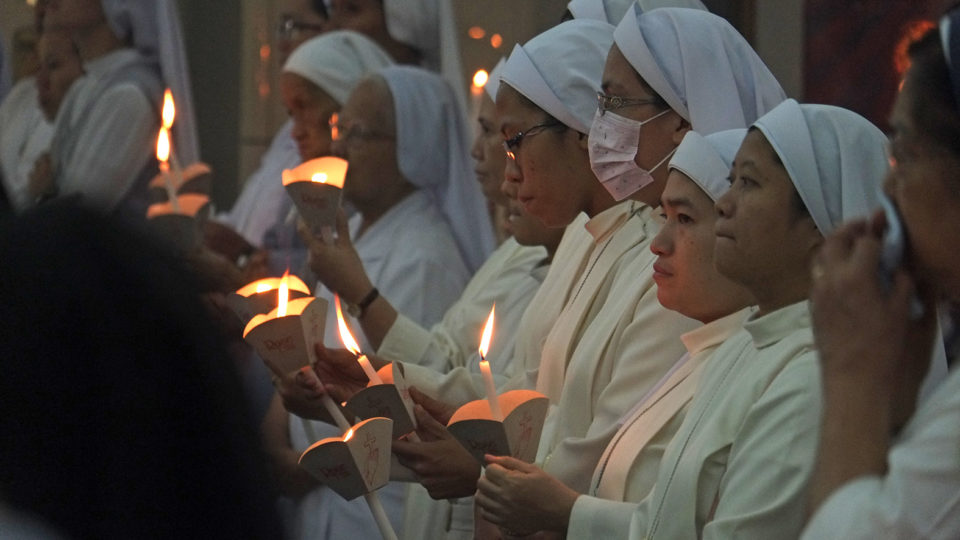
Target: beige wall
[{"x": 779, "y": 41}]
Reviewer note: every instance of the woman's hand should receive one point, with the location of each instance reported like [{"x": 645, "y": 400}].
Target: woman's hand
[
  {"x": 522, "y": 498},
  {"x": 442, "y": 465},
  {"x": 337, "y": 264},
  {"x": 863, "y": 329}
]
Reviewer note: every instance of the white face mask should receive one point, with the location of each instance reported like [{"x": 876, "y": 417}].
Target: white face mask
[{"x": 613, "y": 146}]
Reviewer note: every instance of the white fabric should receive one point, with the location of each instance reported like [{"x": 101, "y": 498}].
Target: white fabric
[
  {"x": 430, "y": 27},
  {"x": 560, "y": 70},
  {"x": 700, "y": 65},
  {"x": 493, "y": 81},
  {"x": 739, "y": 465},
  {"x": 461, "y": 385},
  {"x": 611, "y": 344},
  {"x": 836, "y": 159},
  {"x": 408, "y": 255},
  {"x": 153, "y": 28},
  {"x": 337, "y": 61},
  {"x": 106, "y": 131},
  {"x": 612, "y": 11},
  {"x": 629, "y": 466},
  {"x": 25, "y": 135},
  {"x": 707, "y": 160},
  {"x": 433, "y": 152},
  {"x": 508, "y": 279},
  {"x": 919, "y": 497},
  {"x": 263, "y": 201}
]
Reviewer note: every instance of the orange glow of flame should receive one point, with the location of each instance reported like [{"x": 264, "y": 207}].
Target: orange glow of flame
[
  {"x": 345, "y": 336},
  {"x": 476, "y": 32},
  {"x": 263, "y": 287},
  {"x": 169, "y": 109},
  {"x": 283, "y": 296},
  {"x": 496, "y": 41},
  {"x": 334, "y": 129},
  {"x": 912, "y": 31},
  {"x": 163, "y": 145},
  {"x": 348, "y": 435},
  {"x": 319, "y": 178},
  {"x": 480, "y": 78},
  {"x": 487, "y": 334}
]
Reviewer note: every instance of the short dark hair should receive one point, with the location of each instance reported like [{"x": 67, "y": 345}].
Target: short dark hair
[{"x": 933, "y": 107}]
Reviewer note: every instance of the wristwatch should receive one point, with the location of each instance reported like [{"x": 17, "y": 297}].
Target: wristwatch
[{"x": 357, "y": 310}]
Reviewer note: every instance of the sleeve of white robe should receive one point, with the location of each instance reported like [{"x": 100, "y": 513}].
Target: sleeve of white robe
[
  {"x": 763, "y": 491},
  {"x": 116, "y": 141},
  {"x": 919, "y": 497},
  {"x": 637, "y": 357}
]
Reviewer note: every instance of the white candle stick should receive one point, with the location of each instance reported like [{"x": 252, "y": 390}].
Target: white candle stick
[
  {"x": 368, "y": 369},
  {"x": 491, "y": 391},
  {"x": 380, "y": 516}
]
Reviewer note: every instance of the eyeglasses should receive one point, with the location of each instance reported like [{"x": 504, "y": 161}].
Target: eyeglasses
[
  {"x": 511, "y": 145},
  {"x": 348, "y": 133},
  {"x": 611, "y": 103},
  {"x": 290, "y": 28}
]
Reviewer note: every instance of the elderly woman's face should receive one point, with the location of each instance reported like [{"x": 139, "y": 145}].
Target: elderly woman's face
[{"x": 923, "y": 184}]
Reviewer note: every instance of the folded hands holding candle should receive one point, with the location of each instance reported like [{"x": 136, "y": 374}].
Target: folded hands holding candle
[
  {"x": 337, "y": 265},
  {"x": 522, "y": 498},
  {"x": 442, "y": 465}
]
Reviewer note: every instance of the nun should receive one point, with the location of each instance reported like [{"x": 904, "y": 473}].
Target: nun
[
  {"x": 710, "y": 80},
  {"x": 740, "y": 462},
  {"x": 613, "y": 11},
  {"x": 887, "y": 465},
  {"x": 264, "y": 203},
  {"x": 687, "y": 282},
  {"x": 417, "y": 232},
  {"x": 415, "y": 32},
  {"x": 104, "y": 141}
]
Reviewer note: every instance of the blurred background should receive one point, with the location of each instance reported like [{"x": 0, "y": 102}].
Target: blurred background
[{"x": 842, "y": 52}]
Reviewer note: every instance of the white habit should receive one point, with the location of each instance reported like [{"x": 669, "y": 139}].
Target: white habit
[
  {"x": 628, "y": 468},
  {"x": 919, "y": 497},
  {"x": 411, "y": 256},
  {"x": 739, "y": 465},
  {"x": 24, "y": 136}
]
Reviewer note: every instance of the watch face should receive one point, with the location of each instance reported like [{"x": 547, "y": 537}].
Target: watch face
[{"x": 353, "y": 310}]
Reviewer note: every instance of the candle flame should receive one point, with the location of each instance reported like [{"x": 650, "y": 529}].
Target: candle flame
[
  {"x": 348, "y": 435},
  {"x": 480, "y": 78},
  {"x": 169, "y": 109},
  {"x": 487, "y": 334},
  {"x": 320, "y": 178},
  {"x": 163, "y": 145},
  {"x": 334, "y": 126},
  {"x": 283, "y": 296},
  {"x": 345, "y": 336},
  {"x": 263, "y": 287}
]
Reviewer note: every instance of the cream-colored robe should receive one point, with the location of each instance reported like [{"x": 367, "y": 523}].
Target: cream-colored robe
[
  {"x": 510, "y": 277},
  {"x": 740, "y": 463},
  {"x": 461, "y": 385},
  {"x": 505, "y": 279},
  {"x": 627, "y": 342},
  {"x": 628, "y": 468}
]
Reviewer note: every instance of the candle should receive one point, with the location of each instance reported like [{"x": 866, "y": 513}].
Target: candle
[
  {"x": 351, "y": 344},
  {"x": 163, "y": 155},
  {"x": 168, "y": 114},
  {"x": 485, "y": 368}
]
